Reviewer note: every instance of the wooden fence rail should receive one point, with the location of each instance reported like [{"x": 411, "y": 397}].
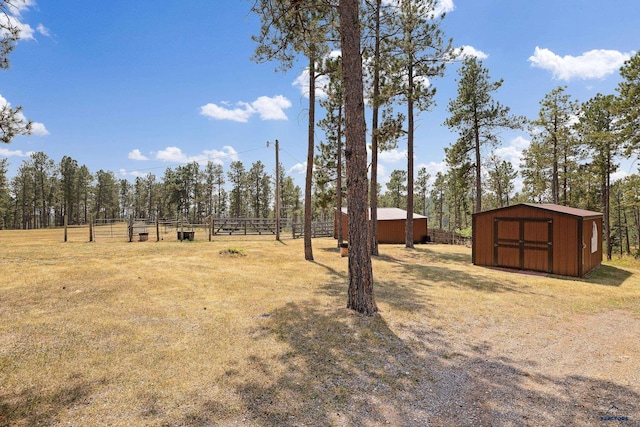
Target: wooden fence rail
[
  {"x": 131, "y": 229},
  {"x": 318, "y": 229}
]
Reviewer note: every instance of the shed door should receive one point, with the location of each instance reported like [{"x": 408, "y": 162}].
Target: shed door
[{"x": 523, "y": 243}]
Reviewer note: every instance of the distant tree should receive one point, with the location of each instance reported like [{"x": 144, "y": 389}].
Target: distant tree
[
  {"x": 68, "y": 177},
  {"x": 501, "y": 176},
  {"x": 630, "y": 188},
  {"x": 151, "y": 189},
  {"x": 438, "y": 192},
  {"x": 329, "y": 163},
  {"x": 477, "y": 117},
  {"x": 324, "y": 190},
  {"x": 259, "y": 190},
  {"x": 82, "y": 193},
  {"x": 397, "y": 188},
  {"x": 459, "y": 180},
  {"x": 126, "y": 198},
  {"x": 5, "y": 196},
  {"x": 44, "y": 173},
  {"x": 215, "y": 192},
  {"x": 22, "y": 188},
  {"x": 597, "y": 128},
  {"x": 552, "y": 132},
  {"x": 291, "y": 195},
  {"x": 422, "y": 189},
  {"x": 536, "y": 173},
  {"x": 140, "y": 198},
  {"x": 238, "y": 178},
  {"x": 629, "y": 102},
  {"x": 417, "y": 53},
  {"x": 105, "y": 195}
]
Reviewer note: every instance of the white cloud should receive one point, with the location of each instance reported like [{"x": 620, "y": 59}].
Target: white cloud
[
  {"x": 17, "y": 7},
  {"x": 299, "y": 168},
  {"x": 37, "y": 129},
  {"x": 595, "y": 64},
  {"x": 221, "y": 113},
  {"x": 13, "y": 153},
  {"x": 463, "y": 52},
  {"x": 618, "y": 175},
  {"x": 172, "y": 154},
  {"x": 124, "y": 172},
  {"x": 432, "y": 168},
  {"x": 218, "y": 156},
  {"x": 26, "y": 32},
  {"x": 302, "y": 83},
  {"x": 12, "y": 17},
  {"x": 322, "y": 81},
  {"x": 43, "y": 30},
  {"x": 442, "y": 6},
  {"x": 392, "y": 156},
  {"x": 513, "y": 152},
  {"x": 269, "y": 108},
  {"x": 176, "y": 155},
  {"x": 136, "y": 155}
]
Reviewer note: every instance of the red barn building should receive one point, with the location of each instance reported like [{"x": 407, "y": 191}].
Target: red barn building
[{"x": 391, "y": 225}]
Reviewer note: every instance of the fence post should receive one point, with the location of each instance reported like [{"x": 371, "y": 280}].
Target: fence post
[
  {"x": 157, "y": 228},
  {"x": 65, "y": 227},
  {"x": 182, "y": 227},
  {"x": 90, "y": 228},
  {"x": 130, "y": 228},
  {"x": 210, "y": 227}
]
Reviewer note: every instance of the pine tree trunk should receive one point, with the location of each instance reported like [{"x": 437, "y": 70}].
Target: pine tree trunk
[
  {"x": 409, "y": 223},
  {"x": 308, "y": 250},
  {"x": 360, "y": 293},
  {"x": 374, "y": 135},
  {"x": 339, "y": 179}
]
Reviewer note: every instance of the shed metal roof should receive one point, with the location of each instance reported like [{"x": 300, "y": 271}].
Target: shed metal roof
[
  {"x": 567, "y": 210},
  {"x": 390, "y": 214}
]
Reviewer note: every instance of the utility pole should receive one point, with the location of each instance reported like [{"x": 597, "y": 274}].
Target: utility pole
[{"x": 277, "y": 207}]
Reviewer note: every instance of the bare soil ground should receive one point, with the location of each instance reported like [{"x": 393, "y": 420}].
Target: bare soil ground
[{"x": 182, "y": 334}]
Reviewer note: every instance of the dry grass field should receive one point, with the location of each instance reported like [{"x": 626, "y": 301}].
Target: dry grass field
[{"x": 245, "y": 332}]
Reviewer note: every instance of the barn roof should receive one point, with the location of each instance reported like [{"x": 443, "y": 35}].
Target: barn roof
[
  {"x": 581, "y": 213},
  {"x": 390, "y": 214}
]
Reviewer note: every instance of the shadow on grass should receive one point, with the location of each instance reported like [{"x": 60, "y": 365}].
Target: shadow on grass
[
  {"x": 440, "y": 273},
  {"x": 34, "y": 406},
  {"x": 608, "y": 275},
  {"x": 340, "y": 368}
]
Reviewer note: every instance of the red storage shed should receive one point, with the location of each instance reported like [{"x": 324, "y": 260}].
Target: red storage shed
[
  {"x": 391, "y": 226},
  {"x": 540, "y": 237}
]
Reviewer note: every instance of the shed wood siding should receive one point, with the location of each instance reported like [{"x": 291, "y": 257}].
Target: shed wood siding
[
  {"x": 514, "y": 237},
  {"x": 391, "y": 228}
]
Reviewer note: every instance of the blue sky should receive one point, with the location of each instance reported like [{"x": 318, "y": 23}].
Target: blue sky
[{"x": 139, "y": 86}]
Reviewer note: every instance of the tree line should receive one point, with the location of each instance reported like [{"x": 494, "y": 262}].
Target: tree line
[{"x": 43, "y": 192}]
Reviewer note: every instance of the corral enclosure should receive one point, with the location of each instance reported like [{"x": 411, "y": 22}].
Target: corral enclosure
[{"x": 549, "y": 238}]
